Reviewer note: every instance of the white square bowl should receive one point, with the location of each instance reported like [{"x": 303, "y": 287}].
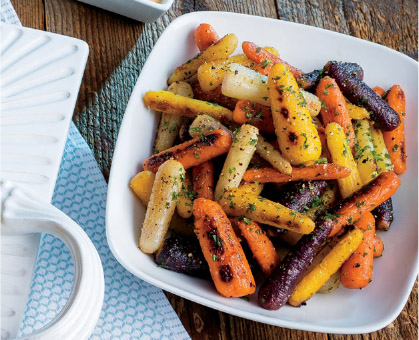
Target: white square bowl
[
  {"x": 344, "y": 311},
  {"x": 141, "y": 10}
]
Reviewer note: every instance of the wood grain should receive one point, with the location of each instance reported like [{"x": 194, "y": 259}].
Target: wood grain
[
  {"x": 393, "y": 23},
  {"x": 31, "y": 13}
]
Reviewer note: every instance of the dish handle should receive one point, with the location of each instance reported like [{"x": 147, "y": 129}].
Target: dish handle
[{"x": 23, "y": 214}]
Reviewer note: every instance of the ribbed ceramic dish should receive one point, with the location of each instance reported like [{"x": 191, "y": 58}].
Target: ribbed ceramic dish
[
  {"x": 141, "y": 10},
  {"x": 41, "y": 74},
  {"x": 343, "y": 311}
]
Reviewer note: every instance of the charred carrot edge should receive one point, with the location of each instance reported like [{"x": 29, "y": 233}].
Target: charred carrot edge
[
  {"x": 378, "y": 246},
  {"x": 205, "y": 35},
  {"x": 365, "y": 200},
  {"x": 203, "y": 180},
  {"x": 228, "y": 265},
  {"x": 314, "y": 172},
  {"x": 395, "y": 139},
  {"x": 384, "y": 215},
  {"x": 259, "y": 243},
  {"x": 254, "y": 114},
  {"x": 334, "y": 107},
  {"x": 193, "y": 152},
  {"x": 266, "y": 59},
  {"x": 379, "y": 90},
  {"x": 214, "y": 96},
  {"x": 356, "y": 272}
]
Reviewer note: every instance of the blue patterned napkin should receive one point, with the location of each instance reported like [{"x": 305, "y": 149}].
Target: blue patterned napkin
[{"x": 132, "y": 308}]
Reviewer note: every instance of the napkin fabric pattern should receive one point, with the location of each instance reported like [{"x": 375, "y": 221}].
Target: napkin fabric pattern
[{"x": 132, "y": 308}]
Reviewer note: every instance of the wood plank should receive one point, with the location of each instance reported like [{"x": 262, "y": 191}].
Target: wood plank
[
  {"x": 31, "y": 13},
  {"x": 389, "y": 23},
  {"x": 377, "y": 21}
]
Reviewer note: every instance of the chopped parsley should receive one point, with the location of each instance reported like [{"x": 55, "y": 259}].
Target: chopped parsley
[
  {"x": 247, "y": 221},
  {"x": 322, "y": 160},
  {"x": 252, "y": 207}
]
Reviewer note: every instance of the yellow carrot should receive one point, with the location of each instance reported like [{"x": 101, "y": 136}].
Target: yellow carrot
[
  {"x": 171, "y": 103},
  {"x": 142, "y": 185},
  {"x": 364, "y": 152},
  {"x": 314, "y": 280},
  {"x": 382, "y": 156},
  {"x": 297, "y": 136},
  {"x": 237, "y": 202},
  {"x": 342, "y": 155}
]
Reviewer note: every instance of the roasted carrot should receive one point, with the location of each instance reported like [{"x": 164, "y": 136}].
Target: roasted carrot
[
  {"x": 203, "y": 179},
  {"x": 276, "y": 290},
  {"x": 378, "y": 246},
  {"x": 341, "y": 154},
  {"x": 325, "y": 151},
  {"x": 296, "y": 133},
  {"x": 194, "y": 151},
  {"x": 384, "y": 215},
  {"x": 379, "y": 90},
  {"x": 239, "y": 202},
  {"x": 228, "y": 265},
  {"x": 259, "y": 243},
  {"x": 266, "y": 59},
  {"x": 356, "y": 272},
  {"x": 255, "y": 114},
  {"x": 334, "y": 107},
  {"x": 395, "y": 139},
  {"x": 364, "y": 200},
  {"x": 314, "y": 172},
  {"x": 214, "y": 96},
  {"x": 205, "y": 35},
  {"x": 322, "y": 272},
  {"x": 168, "y": 102}
]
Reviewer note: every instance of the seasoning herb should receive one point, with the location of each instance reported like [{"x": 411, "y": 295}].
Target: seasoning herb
[
  {"x": 247, "y": 221},
  {"x": 252, "y": 207}
]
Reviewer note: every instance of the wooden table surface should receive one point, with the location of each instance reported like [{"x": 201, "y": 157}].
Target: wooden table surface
[{"x": 117, "y": 43}]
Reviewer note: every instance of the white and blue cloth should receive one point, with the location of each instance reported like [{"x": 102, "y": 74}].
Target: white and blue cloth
[{"x": 132, "y": 308}]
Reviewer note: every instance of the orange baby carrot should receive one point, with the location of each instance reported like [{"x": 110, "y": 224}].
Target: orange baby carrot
[
  {"x": 259, "y": 243},
  {"x": 395, "y": 139},
  {"x": 203, "y": 180},
  {"x": 254, "y": 114},
  {"x": 362, "y": 201},
  {"x": 228, "y": 265},
  {"x": 378, "y": 246},
  {"x": 379, "y": 90},
  {"x": 314, "y": 172},
  {"x": 266, "y": 59},
  {"x": 205, "y": 35},
  {"x": 356, "y": 272},
  {"x": 334, "y": 107},
  {"x": 193, "y": 152}
]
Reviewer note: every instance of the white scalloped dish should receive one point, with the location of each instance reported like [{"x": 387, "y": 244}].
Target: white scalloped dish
[
  {"x": 40, "y": 78},
  {"x": 343, "y": 311}
]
